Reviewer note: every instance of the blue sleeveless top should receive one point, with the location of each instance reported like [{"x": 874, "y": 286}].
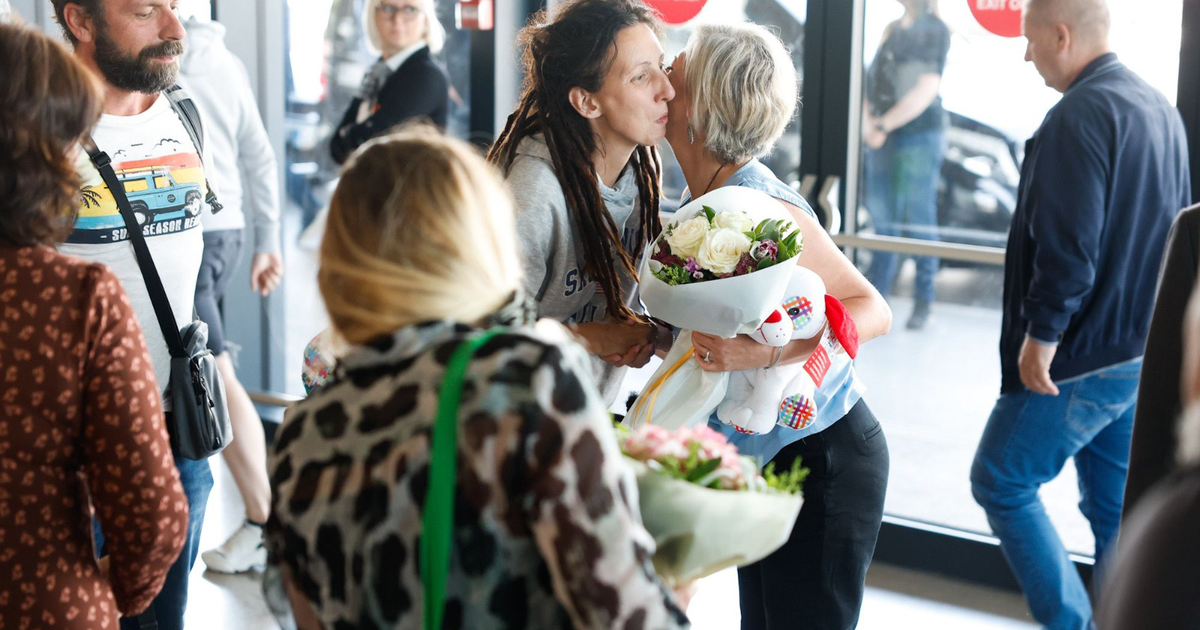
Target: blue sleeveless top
[{"x": 840, "y": 390}]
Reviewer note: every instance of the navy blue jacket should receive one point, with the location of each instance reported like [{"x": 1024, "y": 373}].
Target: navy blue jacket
[{"x": 1102, "y": 180}]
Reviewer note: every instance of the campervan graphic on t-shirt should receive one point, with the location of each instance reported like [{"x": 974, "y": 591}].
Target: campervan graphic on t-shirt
[{"x": 164, "y": 181}]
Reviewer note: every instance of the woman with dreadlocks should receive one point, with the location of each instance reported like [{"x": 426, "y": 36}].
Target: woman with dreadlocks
[{"x": 578, "y": 153}]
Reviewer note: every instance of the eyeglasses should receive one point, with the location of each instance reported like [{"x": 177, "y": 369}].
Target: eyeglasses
[{"x": 390, "y": 11}]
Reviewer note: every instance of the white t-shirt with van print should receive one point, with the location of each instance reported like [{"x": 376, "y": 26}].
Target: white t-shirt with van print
[{"x": 154, "y": 157}]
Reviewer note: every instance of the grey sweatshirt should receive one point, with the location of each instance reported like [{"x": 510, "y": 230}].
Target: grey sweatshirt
[
  {"x": 239, "y": 157},
  {"x": 551, "y": 251}
]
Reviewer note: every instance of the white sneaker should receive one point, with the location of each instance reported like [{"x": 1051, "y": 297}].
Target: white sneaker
[{"x": 243, "y": 551}]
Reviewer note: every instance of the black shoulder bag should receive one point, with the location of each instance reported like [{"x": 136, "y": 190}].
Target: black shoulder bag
[{"x": 199, "y": 420}]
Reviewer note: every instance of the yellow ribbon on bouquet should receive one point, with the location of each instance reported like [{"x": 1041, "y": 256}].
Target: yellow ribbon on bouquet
[{"x": 651, "y": 392}]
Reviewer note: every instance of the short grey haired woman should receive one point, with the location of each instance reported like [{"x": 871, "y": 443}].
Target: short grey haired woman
[
  {"x": 405, "y": 83},
  {"x": 735, "y": 92}
]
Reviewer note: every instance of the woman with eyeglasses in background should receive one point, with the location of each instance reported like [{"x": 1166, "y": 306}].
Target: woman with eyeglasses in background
[{"x": 405, "y": 82}]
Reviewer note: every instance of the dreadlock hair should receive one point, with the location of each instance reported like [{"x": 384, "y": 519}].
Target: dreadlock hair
[{"x": 576, "y": 47}]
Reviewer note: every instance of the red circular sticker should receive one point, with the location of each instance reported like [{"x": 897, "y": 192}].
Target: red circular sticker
[
  {"x": 677, "y": 11},
  {"x": 1002, "y": 17}
]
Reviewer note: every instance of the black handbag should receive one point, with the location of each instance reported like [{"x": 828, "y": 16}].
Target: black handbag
[{"x": 198, "y": 422}]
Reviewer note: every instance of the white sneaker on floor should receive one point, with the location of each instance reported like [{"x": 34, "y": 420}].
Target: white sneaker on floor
[{"x": 243, "y": 551}]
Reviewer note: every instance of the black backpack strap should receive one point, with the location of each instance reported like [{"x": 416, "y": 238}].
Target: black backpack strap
[
  {"x": 185, "y": 109},
  {"x": 154, "y": 285}
]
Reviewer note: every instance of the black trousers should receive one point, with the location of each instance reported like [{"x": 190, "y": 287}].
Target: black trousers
[{"x": 816, "y": 580}]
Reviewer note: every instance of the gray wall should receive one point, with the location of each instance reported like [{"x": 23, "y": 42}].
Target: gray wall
[{"x": 254, "y": 32}]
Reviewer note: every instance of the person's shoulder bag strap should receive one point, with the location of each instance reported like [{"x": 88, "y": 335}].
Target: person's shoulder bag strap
[
  {"x": 154, "y": 286},
  {"x": 185, "y": 108},
  {"x": 437, "y": 523}
]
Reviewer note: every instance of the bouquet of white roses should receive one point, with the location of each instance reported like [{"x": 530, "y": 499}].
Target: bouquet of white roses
[
  {"x": 721, "y": 267},
  {"x": 715, "y": 268},
  {"x": 707, "y": 507},
  {"x": 710, "y": 246}
]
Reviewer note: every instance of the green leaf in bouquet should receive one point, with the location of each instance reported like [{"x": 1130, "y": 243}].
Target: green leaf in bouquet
[
  {"x": 764, "y": 263},
  {"x": 772, "y": 232},
  {"x": 759, "y": 230},
  {"x": 673, "y": 275},
  {"x": 709, "y": 213},
  {"x": 790, "y": 482},
  {"x": 702, "y": 470},
  {"x": 791, "y": 245}
]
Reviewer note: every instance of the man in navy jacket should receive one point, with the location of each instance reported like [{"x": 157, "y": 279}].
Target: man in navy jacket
[{"x": 1102, "y": 180}]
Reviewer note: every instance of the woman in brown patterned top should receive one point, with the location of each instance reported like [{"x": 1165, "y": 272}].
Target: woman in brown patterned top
[
  {"x": 80, "y": 418},
  {"x": 419, "y": 253}
]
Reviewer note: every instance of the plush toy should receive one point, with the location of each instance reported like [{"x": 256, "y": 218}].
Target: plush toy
[{"x": 756, "y": 400}]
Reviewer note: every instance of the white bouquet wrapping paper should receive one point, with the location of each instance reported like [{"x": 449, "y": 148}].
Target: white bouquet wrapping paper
[
  {"x": 699, "y": 531},
  {"x": 685, "y": 396}
]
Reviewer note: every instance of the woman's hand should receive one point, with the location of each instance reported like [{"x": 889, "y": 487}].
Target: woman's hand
[
  {"x": 715, "y": 354},
  {"x": 619, "y": 343},
  {"x": 664, "y": 339},
  {"x": 661, "y": 341},
  {"x": 635, "y": 357},
  {"x": 744, "y": 353}
]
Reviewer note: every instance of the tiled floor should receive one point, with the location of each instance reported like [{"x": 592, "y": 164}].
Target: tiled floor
[{"x": 896, "y": 598}]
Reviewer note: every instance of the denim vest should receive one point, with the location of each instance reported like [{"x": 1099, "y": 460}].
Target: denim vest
[{"x": 841, "y": 389}]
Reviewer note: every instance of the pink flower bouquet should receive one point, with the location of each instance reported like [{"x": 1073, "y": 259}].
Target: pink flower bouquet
[{"x": 706, "y": 506}]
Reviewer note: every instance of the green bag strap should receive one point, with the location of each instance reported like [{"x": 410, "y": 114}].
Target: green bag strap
[{"x": 437, "y": 523}]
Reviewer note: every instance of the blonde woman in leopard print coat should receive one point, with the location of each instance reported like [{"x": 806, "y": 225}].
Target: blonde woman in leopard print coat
[{"x": 420, "y": 253}]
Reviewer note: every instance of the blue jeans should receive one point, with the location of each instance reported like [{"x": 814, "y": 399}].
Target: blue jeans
[
  {"x": 1027, "y": 440},
  {"x": 197, "y": 480},
  {"x": 901, "y": 195}
]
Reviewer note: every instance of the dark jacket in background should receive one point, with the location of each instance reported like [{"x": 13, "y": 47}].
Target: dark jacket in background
[
  {"x": 1152, "y": 456},
  {"x": 1152, "y": 579},
  {"x": 1103, "y": 178},
  {"x": 419, "y": 87}
]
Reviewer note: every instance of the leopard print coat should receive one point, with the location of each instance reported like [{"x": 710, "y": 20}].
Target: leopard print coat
[{"x": 548, "y": 532}]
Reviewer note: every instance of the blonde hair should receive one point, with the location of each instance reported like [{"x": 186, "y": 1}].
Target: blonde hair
[
  {"x": 420, "y": 228},
  {"x": 435, "y": 33},
  {"x": 743, "y": 88}
]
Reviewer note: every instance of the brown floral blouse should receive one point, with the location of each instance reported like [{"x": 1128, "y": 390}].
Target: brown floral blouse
[{"x": 80, "y": 417}]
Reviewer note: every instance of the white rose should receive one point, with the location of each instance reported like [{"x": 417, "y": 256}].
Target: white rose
[
  {"x": 722, "y": 250},
  {"x": 686, "y": 238},
  {"x": 739, "y": 221}
]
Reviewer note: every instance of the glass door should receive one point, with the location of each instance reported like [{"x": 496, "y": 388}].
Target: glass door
[{"x": 940, "y": 108}]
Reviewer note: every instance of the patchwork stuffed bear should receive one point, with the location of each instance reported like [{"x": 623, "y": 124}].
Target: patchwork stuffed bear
[{"x": 756, "y": 400}]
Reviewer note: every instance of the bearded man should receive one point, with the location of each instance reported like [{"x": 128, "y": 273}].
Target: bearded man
[{"x": 134, "y": 47}]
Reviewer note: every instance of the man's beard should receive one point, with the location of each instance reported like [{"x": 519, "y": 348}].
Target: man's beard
[{"x": 140, "y": 73}]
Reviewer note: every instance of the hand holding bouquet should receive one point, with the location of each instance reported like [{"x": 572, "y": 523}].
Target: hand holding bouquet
[{"x": 707, "y": 507}]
